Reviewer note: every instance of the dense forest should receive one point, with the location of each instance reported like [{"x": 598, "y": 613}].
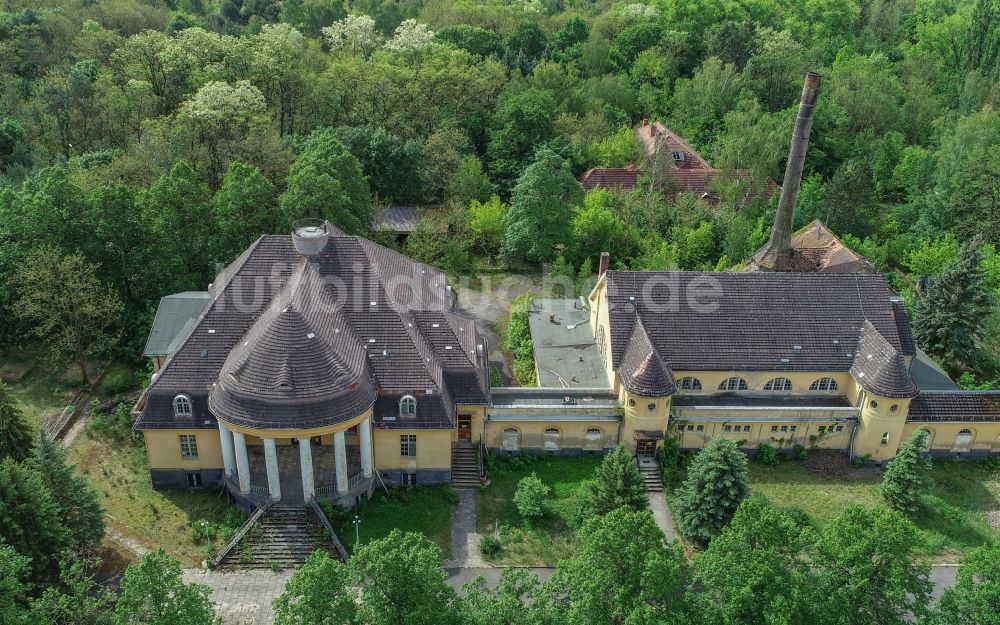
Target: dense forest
[{"x": 144, "y": 143}]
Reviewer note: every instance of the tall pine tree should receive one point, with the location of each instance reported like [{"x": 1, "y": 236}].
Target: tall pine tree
[
  {"x": 15, "y": 435},
  {"x": 717, "y": 482},
  {"x": 906, "y": 480},
  {"x": 616, "y": 484},
  {"x": 948, "y": 319},
  {"x": 79, "y": 508}
]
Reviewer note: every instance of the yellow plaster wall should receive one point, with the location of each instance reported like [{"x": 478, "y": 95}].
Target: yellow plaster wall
[
  {"x": 287, "y": 434},
  {"x": 478, "y": 416},
  {"x": 985, "y": 435},
  {"x": 572, "y": 433},
  {"x": 693, "y": 438},
  {"x": 877, "y": 420},
  {"x": 163, "y": 448},
  {"x": 756, "y": 380},
  {"x": 433, "y": 449},
  {"x": 639, "y": 416}
]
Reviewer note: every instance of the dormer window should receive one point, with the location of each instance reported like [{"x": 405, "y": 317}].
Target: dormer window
[
  {"x": 733, "y": 384},
  {"x": 408, "y": 406},
  {"x": 778, "y": 384},
  {"x": 182, "y": 407}
]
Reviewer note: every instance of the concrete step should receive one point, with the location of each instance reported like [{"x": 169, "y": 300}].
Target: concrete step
[{"x": 284, "y": 537}]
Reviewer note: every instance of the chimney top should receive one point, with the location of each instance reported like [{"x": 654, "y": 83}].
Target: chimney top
[
  {"x": 309, "y": 236},
  {"x": 604, "y": 264}
]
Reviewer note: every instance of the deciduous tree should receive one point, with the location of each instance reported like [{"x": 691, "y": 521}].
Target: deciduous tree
[
  {"x": 975, "y": 597},
  {"x": 153, "y": 593},
  {"x": 319, "y": 593}
]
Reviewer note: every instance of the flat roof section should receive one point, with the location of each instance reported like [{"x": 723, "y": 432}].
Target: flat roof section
[
  {"x": 528, "y": 396},
  {"x": 566, "y": 355}
]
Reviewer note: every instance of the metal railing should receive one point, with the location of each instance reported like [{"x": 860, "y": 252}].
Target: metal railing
[
  {"x": 356, "y": 480},
  {"x": 328, "y": 490},
  {"x": 238, "y": 536},
  {"x": 259, "y": 491},
  {"x": 329, "y": 528}
]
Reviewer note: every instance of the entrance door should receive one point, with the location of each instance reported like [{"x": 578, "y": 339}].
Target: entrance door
[
  {"x": 645, "y": 447},
  {"x": 464, "y": 427}
]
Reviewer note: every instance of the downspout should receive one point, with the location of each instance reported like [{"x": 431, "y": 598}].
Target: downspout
[{"x": 854, "y": 432}]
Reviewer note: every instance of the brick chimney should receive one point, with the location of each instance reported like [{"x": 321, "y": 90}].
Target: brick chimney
[
  {"x": 777, "y": 254},
  {"x": 603, "y": 264}
]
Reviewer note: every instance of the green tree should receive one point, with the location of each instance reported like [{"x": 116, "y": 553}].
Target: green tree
[
  {"x": 717, "y": 482},
  {"x": 754, "y": 572},
  {"x": 521, "y": 123},
  {"x": 540, "y": 209},
  {"x": 76, "y": 323},
  {"x": 948, "y": 319},
  {"x": 486, "y": 220},
  {"x": 617, "y": 483},
  {"x": 630, "y": 42},
  {"x": 623, "y": 572},
  {"x": 531, "y": 498},
  {"x": 326, "y": 181},
  {"x": 932, "y": 256},
  {"x": 975, "y": 597},
  {"x": 598, "y": 228},
  {"x": 310, "y": 16},
  {"x": 878, "y": 546},
  {"x": 15, "y": 434},
  {"x": 468, "y": 183},
  {"x": 153, "y": 593},
  {"x": 906, "y": 480},
  {"x": 404, "y": 582},
  {"x": 319, "y": 593},
  {"x": 79, "y": 508},
  {"x": 389, "y": 163},
  {"x": 31, "y": 521},
  {"x": 245, "y": 207},
  {"x": 14, "y": 569},
  {"x": 517, "y": 599},
  {"x": 77, "y": 599}
]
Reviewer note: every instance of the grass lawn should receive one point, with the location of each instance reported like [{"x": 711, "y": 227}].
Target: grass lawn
[
  {"x": 41, "y": 391},
  {"x": 551, "y": 538},
  {"x": 120, "y": 475},
  {"x": 424, "y": 509},
  {"x": 955, "y": 520}
]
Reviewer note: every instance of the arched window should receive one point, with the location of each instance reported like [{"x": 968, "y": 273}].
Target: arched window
[
  {"x": 592, "y": 439},
  {"x": 408, "y": 406},
  {"x": 885, "y": 438},
  {"x": 510, "y": 440},
  {"x": 823, "y": 384},
  {"x": 182, "y": 406},
  {"x": 733, "y": 384},
  {"x": 551, "y": 439},
  {"x": 690, "y": 384},
  {"x": 964, "y": 439},
  {"x": 778, "y": 384}
]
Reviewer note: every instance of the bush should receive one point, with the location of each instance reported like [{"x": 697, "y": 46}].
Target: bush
[
  {"x": 530, "y": 498},
  {"x": 116, "y": 426},
  {"x": 122, "y": 382},
  {"x": 800, "y": 452},
  {"x": 672, "y": 459},
  {"x": 450, "y": 494},
  {"x": 515, "y": 335},
  {"x": 489, "y": 545},
  {"x": 766, "y": 455}
]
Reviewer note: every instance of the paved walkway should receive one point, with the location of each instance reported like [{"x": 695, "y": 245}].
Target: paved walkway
[
  {"x": 242, "y": 597},
  {"x": 464, "y": 535},
  {"x": 661, "y": 514}
]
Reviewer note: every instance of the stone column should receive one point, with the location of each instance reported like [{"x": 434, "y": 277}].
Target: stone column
[
  {"x": 242, "y": 462},
  {"x": 306, "y": 460},
  {"x": 228, "y": 460},
  {"x": 340, "y": 455},
  {"x": 365, "y": 436},
  {"x": 271, "y": 462}
]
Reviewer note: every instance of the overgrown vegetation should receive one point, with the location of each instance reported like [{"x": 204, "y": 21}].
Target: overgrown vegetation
[{"x": 515, "y": 336}]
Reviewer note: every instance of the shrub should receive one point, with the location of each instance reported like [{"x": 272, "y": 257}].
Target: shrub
[
  {"x": 530, "y": 498},
  {"x": 450, "y": 494},
  {"x": 121, "y": 382},
  {"x": 115, "y": 426},
  {"x": 800, "y": 452},
  {"x": 766, "y": 455},
  {"x": 515, "y": 335},
  {"x": 489, "y": 545}
]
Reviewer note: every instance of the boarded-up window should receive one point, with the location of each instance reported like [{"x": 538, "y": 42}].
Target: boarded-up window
[
  {"x": 551, "y": 439},
  {"x": 592, "y": 439},
  {"x": 511, "y": 440},
  {"x": 963, "y": 440}
]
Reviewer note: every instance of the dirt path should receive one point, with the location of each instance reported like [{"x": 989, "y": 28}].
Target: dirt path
[
  {"x": 464, "y": 536},
  {"x": 489, "y": 302}
]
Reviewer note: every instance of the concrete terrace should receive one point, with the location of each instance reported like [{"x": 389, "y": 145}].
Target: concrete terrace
[{"x": 566, "y": 355}]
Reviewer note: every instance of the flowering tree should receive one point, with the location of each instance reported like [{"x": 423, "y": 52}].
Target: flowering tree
[
  {"x": 410, "y": 36},
  {"x": 355, "y": 33}
]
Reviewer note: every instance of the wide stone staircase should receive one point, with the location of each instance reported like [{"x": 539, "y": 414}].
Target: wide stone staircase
[
  {"x": 651, "y": 474},
  {"x": 464, "y": 466},
  {"x": 282, "y": 536}
]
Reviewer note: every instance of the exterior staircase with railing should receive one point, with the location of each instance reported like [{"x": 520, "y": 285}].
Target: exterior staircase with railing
[
  {"x": 651, "y": 474},
  {"x": 279, "y": 536},
  {"x": 465, "y": 465}
]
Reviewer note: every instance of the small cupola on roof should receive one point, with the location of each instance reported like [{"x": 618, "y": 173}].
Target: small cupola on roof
[
  {"x": 292, "y": 369},
  {"x": 309, "y": 236}
]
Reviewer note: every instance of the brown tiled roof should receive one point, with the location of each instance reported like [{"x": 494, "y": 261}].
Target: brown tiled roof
[
  {"x": 751, "y": 321},
  {"x": 671, "y": 142},
  {"x": 363, "y": 303},
  {"x": 879, "y": 367},
  {"x": 642, "y": 370},
  {"x": 828, "y": 253},
  {"x": 610, "y": 178},
  {"x": 955, "y": 406},
  {"x": 699, "y": 182}
]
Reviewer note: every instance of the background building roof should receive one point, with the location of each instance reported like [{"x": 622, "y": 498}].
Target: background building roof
[{"x": 172, "y": 315}]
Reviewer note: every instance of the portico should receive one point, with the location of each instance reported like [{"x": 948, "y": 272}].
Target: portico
[{"x": 327, "y": 465}]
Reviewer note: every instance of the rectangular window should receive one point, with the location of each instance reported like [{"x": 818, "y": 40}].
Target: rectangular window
[
  {"x": 822, "y": 429},
  {"x": 793, "y": 428},
  {"x": 701, "y": 428},
  {"x": 690, "y": 428},
  {"x": 189, "y": 446},
  {"x": 746, "y": 428},
  {"x": 774, "y": 428},
  {"x": 194, "y": 479},
  {"x": 729, "y": 428},
  {"x": 408, "y": 445},
  {"x": 840, "y": 428},
  {"x": 409, "y": 479},
  {"x": 784, "y": 428}
]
